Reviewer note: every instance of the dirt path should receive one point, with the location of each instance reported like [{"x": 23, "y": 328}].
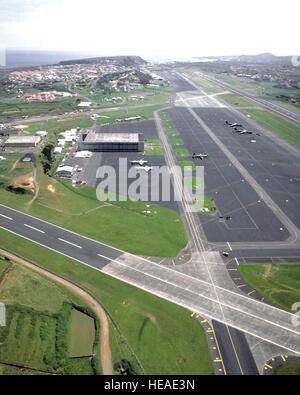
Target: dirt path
[{"x": 105, "y": 351}]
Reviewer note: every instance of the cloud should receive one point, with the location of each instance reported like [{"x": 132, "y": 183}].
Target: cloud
[{"x": 161, "y": 27}]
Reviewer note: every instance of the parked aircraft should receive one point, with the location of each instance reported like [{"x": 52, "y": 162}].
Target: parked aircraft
[
  {"x": 244, "y": 131},
  {"x": 199, "y": 156},
  {"x": 140, "y": 162},
  {"x": 232, "y": 124},
  {"x": 146, "y": 168}
]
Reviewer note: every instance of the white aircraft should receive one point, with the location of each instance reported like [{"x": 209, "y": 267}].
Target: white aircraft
[
  {"x": 140, "y": 162},
  {"x": 146, "y": 168},
  {"x": 244, "y": 131},
  {"x": 199, "y": 156}
]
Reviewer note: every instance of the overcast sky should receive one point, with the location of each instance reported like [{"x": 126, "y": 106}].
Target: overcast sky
[{"x": 152, "y": 27}]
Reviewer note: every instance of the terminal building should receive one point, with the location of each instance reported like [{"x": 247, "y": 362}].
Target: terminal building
[{"x": 111, "y": 142}]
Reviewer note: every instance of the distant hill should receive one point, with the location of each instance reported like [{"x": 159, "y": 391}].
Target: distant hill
[
  {"x": 122, "y": 60},
  {"x": 260, "y": 58}
]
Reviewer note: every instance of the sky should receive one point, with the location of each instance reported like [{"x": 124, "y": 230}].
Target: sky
[{"x": 152, "y": 28}]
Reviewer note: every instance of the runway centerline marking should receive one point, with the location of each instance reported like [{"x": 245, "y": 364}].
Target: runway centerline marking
[
  {"x": 68, "y": 242},
  {"x": 32, "y": 227}
]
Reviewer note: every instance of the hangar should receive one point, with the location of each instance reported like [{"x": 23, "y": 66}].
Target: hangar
[
  {"x": 111, "y": 142},
  {"x": 22, "y": 141}
]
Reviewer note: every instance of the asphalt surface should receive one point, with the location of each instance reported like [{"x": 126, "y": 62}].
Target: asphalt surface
[
  {"x": 251, "y": 219},
  {"x": 274, "y": 168},
  {"x": 238, "y": 360}
]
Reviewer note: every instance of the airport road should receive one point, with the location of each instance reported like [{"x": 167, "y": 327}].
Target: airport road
[
  {"x": 237, "y": 311},
  {"x": 280, "y": 110}
]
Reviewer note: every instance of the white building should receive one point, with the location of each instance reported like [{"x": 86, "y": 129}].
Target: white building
[
  {"x": 65, "y": 171},
  {"x": 57, "y": 150},
  {"x": 41, "y": 133},
  {"x": 85, "y": 104}
]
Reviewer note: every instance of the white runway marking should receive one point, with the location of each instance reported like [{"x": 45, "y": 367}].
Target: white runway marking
[
  {"x": 2, "y": 215},
  {"x": 32, "y": 227},
  {"x": 68, "y": 242}
]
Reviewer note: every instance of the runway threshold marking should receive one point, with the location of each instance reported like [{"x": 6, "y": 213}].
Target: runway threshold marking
[
  {"x": 5, "y": 216},
  {"x": 32, "y": 227},
  {"x": 68, "y": 242}
]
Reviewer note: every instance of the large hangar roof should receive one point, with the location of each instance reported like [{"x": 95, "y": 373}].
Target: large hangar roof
[{"x": 93, "y": 137}]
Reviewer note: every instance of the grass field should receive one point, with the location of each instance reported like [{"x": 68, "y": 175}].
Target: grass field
[
  {"x": 278, "y": 282},
  {"x": 24, "y": 286},
  {"x": 285, "y": 128},
  {"x": 194, "y": 183},
  {"x": 287, "y": 105},
  {"x": 15, "y": 108},
  {"x": 34, "y": 305},
  {"x": 164, "y": 336},
  {"x": 146, "y": 112},
  {"x": 202, "y": 82},
  {"x": 237, "y": 100},
  {"x": 172, "y": 133},
  {"x": 156, "y": 147},
  {"x": 287, "y": 368},
  {"x": 82, "y": 334},
  {"x": 187, "y": 163},
  {"x": 52, "y": 125},
  {"x": 21, "y": 343},
  {"x": 206, "y": 207},
  {"x": 181, "y": 152},
  {"x": 176, "y": 141},
  {"x": 4, "y": 266}
]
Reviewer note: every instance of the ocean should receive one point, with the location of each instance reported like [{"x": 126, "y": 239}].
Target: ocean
[{"x": 24, "y": 58}]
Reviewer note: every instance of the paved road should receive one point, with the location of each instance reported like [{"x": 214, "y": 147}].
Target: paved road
[{"x": 286, "y": 113}]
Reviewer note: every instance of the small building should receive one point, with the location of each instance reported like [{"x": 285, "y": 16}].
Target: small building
[
  {"x": 41, "y": 133},
  {"x": 111, "y": 142},
  {"x": 85, "y": 104},
  {"x": 22, "y": 141},
  {"x": 57, "y": 150},
  {"x": 61, "y": 143},
  {"x": 65, "y": 171},
  {"x": 83, "y": 154}
]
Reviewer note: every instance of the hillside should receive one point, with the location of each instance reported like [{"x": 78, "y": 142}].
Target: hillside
[{"x": 121, "y": 60}]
